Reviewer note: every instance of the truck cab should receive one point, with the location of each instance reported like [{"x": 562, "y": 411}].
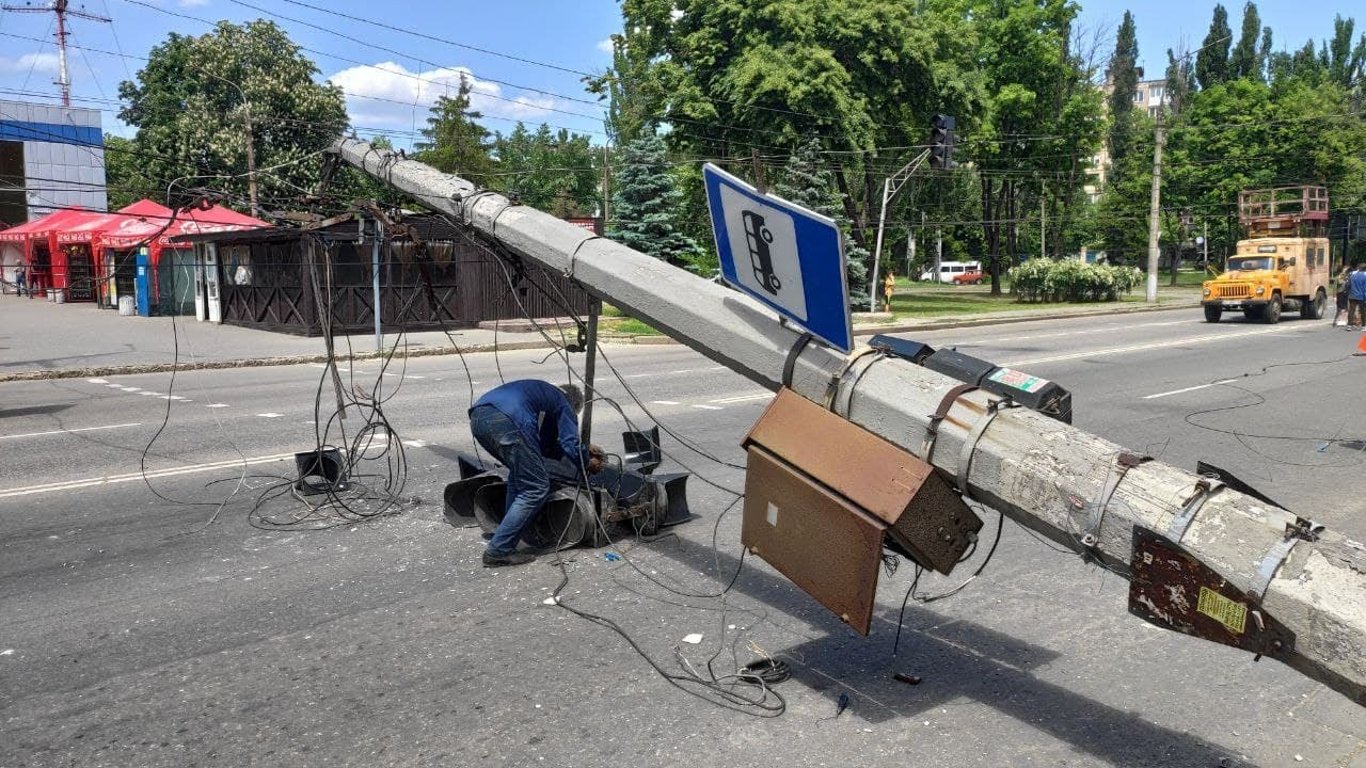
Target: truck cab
[{"x": 1282, "y": 264}]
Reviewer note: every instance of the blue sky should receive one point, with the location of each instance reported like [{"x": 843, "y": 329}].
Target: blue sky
[{"x": 391, "y": 78}]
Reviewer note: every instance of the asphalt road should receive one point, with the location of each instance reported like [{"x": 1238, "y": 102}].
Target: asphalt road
[{"x": 163, "y": 629}]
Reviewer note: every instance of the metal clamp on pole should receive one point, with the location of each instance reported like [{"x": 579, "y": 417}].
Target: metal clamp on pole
[
  {"x": 1123, "y": 464},
  {"x": 573, "y": 257},
  {"x": 833, "y": 392},
  {"x": 941, "y": 413},
  {"x": 792, "y": 354},
  {"x": 1303, "y": 529},
  {"x": 970, "y": 444},
  {"x": 1204, "y": 488}
]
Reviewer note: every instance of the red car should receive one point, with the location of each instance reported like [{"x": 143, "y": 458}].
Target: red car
[{"x": 969, "y": 278}]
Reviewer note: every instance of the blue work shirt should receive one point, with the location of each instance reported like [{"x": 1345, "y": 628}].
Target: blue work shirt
[
  {"x": 542, "y": 414},
  {"x": 1356, "y": 285}
]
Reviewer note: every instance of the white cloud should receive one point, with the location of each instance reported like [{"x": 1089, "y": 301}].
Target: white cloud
[
  {"x": 605, "y": 45},
  {"x": 37, "y": 62},
  {"x": 389, "y": 95}
]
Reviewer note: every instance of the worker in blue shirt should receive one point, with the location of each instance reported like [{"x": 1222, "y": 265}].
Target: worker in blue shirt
[
  {"x": 532, "y": 427},
  {"x": 1356, "y": 296}
]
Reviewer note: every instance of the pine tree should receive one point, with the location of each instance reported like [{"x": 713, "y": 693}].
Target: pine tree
[
  {"x": 1211, "y": 63},
  {"x": 808, "y": 183},
  {"x": 455, "y": 143},
  {"x": 646, "y": 202}
]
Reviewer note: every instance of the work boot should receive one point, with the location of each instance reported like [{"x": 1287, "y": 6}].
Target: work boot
[{"x": 512, "y": 558}]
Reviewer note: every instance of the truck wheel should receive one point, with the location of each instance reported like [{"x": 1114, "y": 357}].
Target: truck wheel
[
  {"x": 1313, "y": 310},
  {"x": 1212, "y": 314},
  {"x": 1272, "y": 314}
]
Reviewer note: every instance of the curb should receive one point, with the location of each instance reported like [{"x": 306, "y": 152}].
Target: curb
[{"x": 927, "y": 325}]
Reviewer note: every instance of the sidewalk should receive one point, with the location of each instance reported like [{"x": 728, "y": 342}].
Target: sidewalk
[{"x": 43, "y": 340}]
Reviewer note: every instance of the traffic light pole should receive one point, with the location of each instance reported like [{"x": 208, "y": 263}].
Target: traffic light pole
[
  {"x": 890, "y": 186},
  {"x": 1085, "y": 493}
]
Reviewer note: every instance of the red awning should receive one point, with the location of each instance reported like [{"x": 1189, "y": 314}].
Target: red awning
[
  {"x": 132, "y": 232},
  {"x": 44, "y": 224},
  {"x": 85, "y": 231}
]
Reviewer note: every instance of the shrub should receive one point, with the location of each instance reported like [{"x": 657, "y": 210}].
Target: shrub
[{"x": 1069, "y": 280}]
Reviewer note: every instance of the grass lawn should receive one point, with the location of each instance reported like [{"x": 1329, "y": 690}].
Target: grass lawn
[{"x": 921, "y": 300}]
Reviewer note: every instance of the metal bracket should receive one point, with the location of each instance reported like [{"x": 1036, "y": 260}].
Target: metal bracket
[
  {"x": 941, "y": 413},
  {"x": 1205, "y": 487},
  {"x": 1123, "y": 464},
  {"x": 792, "y": 354},
  {"x": 1302, "y": 529},
  {"x": 970, "y": 444},
  {"x": 573, "y": 257}
]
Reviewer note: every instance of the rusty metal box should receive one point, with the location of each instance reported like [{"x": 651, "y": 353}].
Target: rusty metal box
[
  {"x": 924, "y": 515},
  {"x": 825, "y": 545}
]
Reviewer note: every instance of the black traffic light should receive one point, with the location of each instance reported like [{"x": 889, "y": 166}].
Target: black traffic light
[{"x": 941, "y": 142}]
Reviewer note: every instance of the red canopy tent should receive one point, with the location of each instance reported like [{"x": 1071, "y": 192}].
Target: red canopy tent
[
  {"x": 36, "y": 239},
  {"x": 153, "y": 226}
]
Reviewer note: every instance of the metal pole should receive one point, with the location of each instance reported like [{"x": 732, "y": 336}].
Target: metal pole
[
  {"x": 910, "y": 251},
  {"x": 1030, "y": 467},
  {"x": 590, "y": 365},
  {"x": 1043, "y": 221},
  {"x": 251, "y": 158},
  {"x": 1154, "y": 224},
  {"x": 877, "y": 250},
  {"x": 938, "y": 252},
  {"x": 374, "y": 285},
  {"x": 63, "y": 77}
]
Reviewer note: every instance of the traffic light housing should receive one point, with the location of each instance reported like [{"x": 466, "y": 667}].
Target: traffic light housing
[{"x": 941, "y": 142}]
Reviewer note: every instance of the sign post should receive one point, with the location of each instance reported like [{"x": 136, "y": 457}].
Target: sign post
[{"x": 788, "y": 258}]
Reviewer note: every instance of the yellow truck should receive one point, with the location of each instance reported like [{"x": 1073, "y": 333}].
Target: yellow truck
[{"x": 1282, "y": 263}]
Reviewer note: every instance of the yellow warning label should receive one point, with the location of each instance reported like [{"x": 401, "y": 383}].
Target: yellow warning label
[{"x": 1228, "y": 612}]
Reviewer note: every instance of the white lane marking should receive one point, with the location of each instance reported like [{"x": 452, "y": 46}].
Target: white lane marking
[
  {"x": 708, "y": 407},
  {"x": 270, "y": 415},
  {"x": 414, "y": 443},
  {"x": 69, "y": 431},
  {"x": 743, "y": 398},
  {"x": 1189, "y": 389},
  {"x": 664, "y": 402},
  {"x": 1106, "y": 329},
  {"x": 216, "y": 405},
  {"x": 148, "y": 394},
  {"x": 1143, "y": 347},
  {"x": 69, "y": 485},
  {"x": 114, "y": 386},
  {"x": 131, "y": 389},
  {"x": 98, "y": 381}
]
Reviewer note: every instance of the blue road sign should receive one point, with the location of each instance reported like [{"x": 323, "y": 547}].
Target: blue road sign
[{"x": 787, "y": 257}]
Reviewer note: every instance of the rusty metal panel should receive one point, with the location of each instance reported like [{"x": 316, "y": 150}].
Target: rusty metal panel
[
  {"x": 822, "y": 543},
  {"x": 927, "y": 517},
  {"x": 1174, "y": 590}
]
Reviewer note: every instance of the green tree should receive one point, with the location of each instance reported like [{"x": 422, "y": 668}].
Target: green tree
[
  {"x": 1123, "y": 78},
  {"x": 645, "y": 203},
  {"x": 1211, "y": 63},
  {"x": 124, "y": 173},
  {"x": 1247, "y": 60},
  {"x": 455, "y": 142},
  {"x": 192, "y": 102},
  {"x": 553, "y": 172},
  {"x": 808, "y": 182}
]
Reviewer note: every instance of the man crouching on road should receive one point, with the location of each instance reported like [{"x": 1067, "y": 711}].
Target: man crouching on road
[{"x": 532, "y": 427}]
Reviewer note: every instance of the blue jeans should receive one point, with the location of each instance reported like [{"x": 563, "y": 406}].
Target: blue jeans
[
  {"x": 528, "y": 478},
  {"x": 530, "y": 475}
]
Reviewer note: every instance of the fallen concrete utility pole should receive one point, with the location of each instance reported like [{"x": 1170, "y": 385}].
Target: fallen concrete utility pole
[{"x": 1079, "y": 490}]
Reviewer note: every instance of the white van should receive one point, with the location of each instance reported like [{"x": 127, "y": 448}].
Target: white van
[{"x": 947, "y": 270}]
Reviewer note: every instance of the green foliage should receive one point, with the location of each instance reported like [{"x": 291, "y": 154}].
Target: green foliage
[
  {"x": 645, "y": 204},
  {"x": 1124, "y": 79},
  {"x": 1073, "y": 281},
  {"x": 193, "y": 101},
  {"x": 1246, "y": 59},
  {"x": 124, "y": 174},
  {"x": 552, "y": 172},
  {"x": 1211, "y": 63},
  {"x": 806, "y": 181},
  {"x": 455, "y": 142}
]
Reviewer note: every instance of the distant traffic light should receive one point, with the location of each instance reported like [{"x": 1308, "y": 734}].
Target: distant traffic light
[{"x": 941, "y": 142}]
